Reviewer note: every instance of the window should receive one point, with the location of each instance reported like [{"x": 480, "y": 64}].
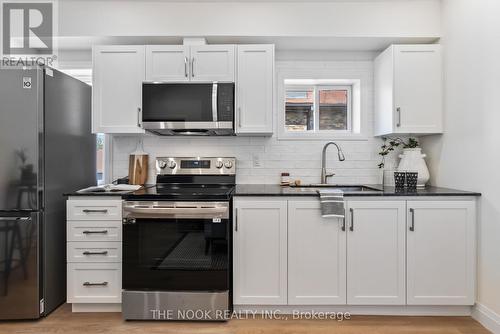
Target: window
[{"x": 318, "y": 108}]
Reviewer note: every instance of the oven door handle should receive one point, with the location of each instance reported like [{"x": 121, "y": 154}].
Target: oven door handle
[
  {"x": 192, "y": 211},
  {"x": 176, "y": 211}
]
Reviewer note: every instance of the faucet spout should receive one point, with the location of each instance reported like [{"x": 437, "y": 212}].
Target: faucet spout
[{"x": 341, "y": 156}]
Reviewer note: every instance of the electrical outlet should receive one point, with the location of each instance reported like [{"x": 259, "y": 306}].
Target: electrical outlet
[{"x": 256, "y": 162}]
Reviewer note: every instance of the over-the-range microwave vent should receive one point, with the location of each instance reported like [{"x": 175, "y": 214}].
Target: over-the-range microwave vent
[{"x": 192, "y": 132}]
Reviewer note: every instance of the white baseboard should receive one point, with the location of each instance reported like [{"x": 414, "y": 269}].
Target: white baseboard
[
  {"x": 487, "y": 318},
  {"x": 403, "y": 310},
  {"x": 94, "y": 307}
]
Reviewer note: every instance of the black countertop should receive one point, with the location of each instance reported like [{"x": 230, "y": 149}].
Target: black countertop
[{"x": 276, "y": 190}]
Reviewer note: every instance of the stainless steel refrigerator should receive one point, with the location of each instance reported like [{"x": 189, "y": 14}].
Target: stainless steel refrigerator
[{"x": 46, "y": 149}]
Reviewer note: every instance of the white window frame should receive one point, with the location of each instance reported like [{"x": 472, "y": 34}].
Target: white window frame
[
  {"x": 316, "y": 88},
  {"x": 358, "y": 75}
]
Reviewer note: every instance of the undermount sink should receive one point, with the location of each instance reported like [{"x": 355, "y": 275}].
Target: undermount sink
[{"x": 344, "y": 188}]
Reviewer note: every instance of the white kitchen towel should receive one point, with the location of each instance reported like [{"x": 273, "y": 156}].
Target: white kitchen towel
[{"x": 332, "y": 203}]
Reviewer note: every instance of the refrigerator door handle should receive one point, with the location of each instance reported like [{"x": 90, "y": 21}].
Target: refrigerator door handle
[{"x": 15, "y": 218}]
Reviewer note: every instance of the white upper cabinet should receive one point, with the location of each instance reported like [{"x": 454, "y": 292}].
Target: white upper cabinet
[
  {"x": 316, "y": 256},
  {"x": 376, "y": 252},
  {"x": 255, "y": 89},
  {"x": 259, "y": 252},
  {"x": 441, "y": 252},
  {"x": 118, "y": 73},
  {"x": 212, "y": 63},
  {"x": 167, "y": 63},
  {"x": 408, "y": 90}
]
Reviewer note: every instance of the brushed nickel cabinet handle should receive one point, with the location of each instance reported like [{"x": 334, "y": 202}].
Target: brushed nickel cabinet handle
[
  {"x": 95, "y": 284},
  {"x": 343, "y": 224},
  {"x": 192, "y": 67},
  {"x": 95, "y": 253},
  {"x": 139, "y": 120},
  {"x": 236, "y": 220},
  {"x": 95, "y": 232},
  {"x": 398, "y": 110},
  {"x": 412, "y": 226},
  {"x": 351, "y": 228},
  {"x": 95, "y": 211},
  {"x": 186, "y": 67}
]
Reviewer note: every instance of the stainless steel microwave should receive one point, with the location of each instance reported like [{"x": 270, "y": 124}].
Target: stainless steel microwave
[{"x": 188, "y": 108}]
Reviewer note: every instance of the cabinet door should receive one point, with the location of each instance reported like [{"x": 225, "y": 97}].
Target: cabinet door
[
  {"x": 167, "y": 63},
  {"x": 260, "y": 245},
  {"x": 212, "y": 63},
  {"x": 376, "y": 253},
  {"x": 441, "y": 252},
  {"x": 118, "y": 73},
  {"x": 316, "y": 256},
  {"x": 418, "y": 88},
  {"x": 255, "y": 89}
]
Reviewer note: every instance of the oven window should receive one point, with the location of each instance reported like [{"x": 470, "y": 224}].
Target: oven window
[
  {"x": 177, "y": 102},
  {"x": 176, "y": 254}
]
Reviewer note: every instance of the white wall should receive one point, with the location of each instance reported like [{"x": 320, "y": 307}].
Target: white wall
[
  {"x": 249, "y": 18},
  {"x": 467, "y": 156},
  {"x": 302, "y": 158}
]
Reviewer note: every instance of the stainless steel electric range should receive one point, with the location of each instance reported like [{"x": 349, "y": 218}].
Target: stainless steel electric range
[{"x": 177, "y": 242}]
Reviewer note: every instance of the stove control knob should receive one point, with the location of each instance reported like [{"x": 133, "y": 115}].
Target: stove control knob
[
  {"x": 171, "y": 164},
  {"x": 219, "y": 164},
  {"x": 228, "y": 164},
  {"x": 162, "y": 164}
]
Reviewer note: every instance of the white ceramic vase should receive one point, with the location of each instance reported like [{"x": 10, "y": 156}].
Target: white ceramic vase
[{"x": 412, "y": 160}]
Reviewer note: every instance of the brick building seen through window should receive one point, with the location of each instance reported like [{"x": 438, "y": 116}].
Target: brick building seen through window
[{"x": 317, "y": 108}]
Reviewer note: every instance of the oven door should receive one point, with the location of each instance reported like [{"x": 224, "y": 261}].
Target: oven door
[{"x": 176, "y": 246}]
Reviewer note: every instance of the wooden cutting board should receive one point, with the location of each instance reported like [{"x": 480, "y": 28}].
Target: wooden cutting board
[{"x": 138, "y": 169}]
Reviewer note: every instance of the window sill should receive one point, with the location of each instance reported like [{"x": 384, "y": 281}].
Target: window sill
[{"x": 323, "y": 137}]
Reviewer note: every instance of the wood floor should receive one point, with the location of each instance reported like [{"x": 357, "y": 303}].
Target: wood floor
[{"x": 62, "y": 321}]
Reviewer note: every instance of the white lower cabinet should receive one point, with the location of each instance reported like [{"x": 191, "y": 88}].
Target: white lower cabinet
[
  {"x": 376, "y": 252},
  {"x": 260, "y": 247},
  {"x": 385, "y": 252},
  {"x": 316, "y": 256},
  {"x": 94, "y": 283},
  {"x": 441, "y": 252},
  {"x": 94, "y": 253}
]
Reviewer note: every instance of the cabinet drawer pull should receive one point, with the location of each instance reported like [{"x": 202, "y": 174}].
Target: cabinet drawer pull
[
  {"x": 343, "y": 224},
  {"x": 95, "y": 253},
  {"x": 186, "y": 67},
  {"x": 412, "y": 226},
  {"x": 192, "y": 67},
  {"x": 96, "y": 232},
  {"x": 398, "y": 110},
  {"x": 95, "y": 284},
  {"x": 95, "y": 211},
  {"x": 351, "y": 228}
]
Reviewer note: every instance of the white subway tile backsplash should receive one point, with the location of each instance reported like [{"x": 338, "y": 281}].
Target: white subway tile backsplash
[{"x": 301, "y": 158}]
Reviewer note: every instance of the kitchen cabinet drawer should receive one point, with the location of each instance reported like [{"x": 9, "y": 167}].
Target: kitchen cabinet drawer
[
  {"x": 94, "y": 283},
  {"x": 94, "y": 210},
  {"x": 94, "y": 251},
  {"x": 94, "y": 230}
]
